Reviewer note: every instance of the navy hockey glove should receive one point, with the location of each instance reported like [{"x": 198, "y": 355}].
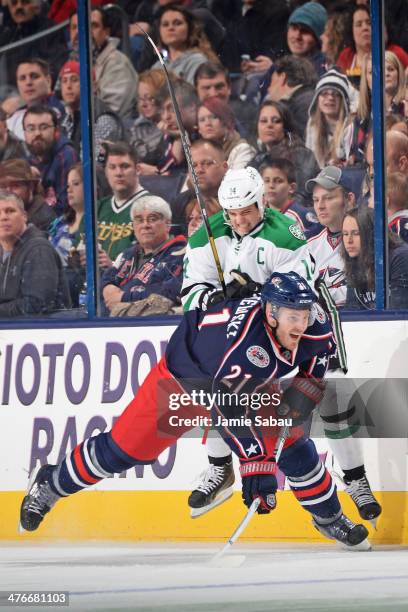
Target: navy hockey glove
[
  {"x": 259, "y": 480},
  {"x": 299, "y": 400},
  {"x": 242, "y": 285}
]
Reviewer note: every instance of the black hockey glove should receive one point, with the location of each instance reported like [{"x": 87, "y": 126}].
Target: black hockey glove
[
  {"x": 211, "y": 297},
  {"x": 259, "y": 480},
  {"x": 299, "y": 400},
  {"x": 242, "y": 285}
]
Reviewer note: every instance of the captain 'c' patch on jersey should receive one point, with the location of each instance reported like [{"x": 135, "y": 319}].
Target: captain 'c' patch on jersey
[{"x": 258, "y": 356}]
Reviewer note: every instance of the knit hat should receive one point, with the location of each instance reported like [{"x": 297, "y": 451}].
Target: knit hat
[
  {"x": 312, "y": 15},
  {"x": 332, "y": 79},
  {"x": 69, "y": 67},
  {"x": 221, "y": 110},
  {"x": 17, "y": 169}
]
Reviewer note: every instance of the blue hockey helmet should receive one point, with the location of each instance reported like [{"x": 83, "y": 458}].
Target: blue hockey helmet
[{"x": 288, "y": 289}]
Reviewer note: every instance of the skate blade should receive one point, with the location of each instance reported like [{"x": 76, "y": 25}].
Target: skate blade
[
  {"x": 31, "y": 479},
  {"x": 374, "y": 523},
  {"x": 220, "y": 499},
  {"x": 227, "y": 560},
  {"x": 363, "y": 546}
]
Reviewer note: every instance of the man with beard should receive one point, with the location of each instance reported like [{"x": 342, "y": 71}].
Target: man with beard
[{"x": 50, "y": 152}]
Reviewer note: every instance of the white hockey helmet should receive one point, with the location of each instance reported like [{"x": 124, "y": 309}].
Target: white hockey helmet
[{"x": 241, "y": 188}]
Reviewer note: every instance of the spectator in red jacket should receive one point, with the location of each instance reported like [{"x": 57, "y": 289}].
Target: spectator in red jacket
[{"x": 351, "y": 58}]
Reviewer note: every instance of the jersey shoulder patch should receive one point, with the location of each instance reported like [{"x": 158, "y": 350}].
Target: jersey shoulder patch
[
  {"x": 277, "y": 229},
  {"x": 258, "y": 356},
  {"x": 297, "y": 232}
]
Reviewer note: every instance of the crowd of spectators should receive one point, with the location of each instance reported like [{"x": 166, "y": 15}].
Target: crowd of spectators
[{"x": 280, "y": 85}]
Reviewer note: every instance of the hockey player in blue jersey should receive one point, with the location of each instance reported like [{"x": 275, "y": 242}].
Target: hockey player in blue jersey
[{"x": 237, "y": 349}]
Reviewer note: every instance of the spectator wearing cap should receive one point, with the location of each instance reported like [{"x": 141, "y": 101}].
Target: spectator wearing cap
[
  {"x": 332, "y": 197},
  {"x": 154, "y": 265},
  {"x": 25, "y": 20},
  {"x": 34, "y": 85},
  {"x": 10, "y": 146},
  {"x": 16, "y": 176},
  {"x": 108, "y": 125},
  {"x": 328, "y": 112},
  {"x": 305, "y": 26},
  {"x": 216, "y": 121}
]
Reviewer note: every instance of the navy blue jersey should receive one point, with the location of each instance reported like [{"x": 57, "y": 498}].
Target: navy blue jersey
[
  {"x": 231, "y": 350},
  {"x": 228, "y": 334},
  {"x": 398, "y": 223}
]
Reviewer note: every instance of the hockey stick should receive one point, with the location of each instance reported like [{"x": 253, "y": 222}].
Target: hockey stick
[
  {"x": 186, "y": 147},
  {"x": 237, "y": 560}
]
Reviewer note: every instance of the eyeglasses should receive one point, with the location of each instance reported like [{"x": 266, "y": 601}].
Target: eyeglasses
[
  {"x": 43, "y": 127},
  {"x": 150, "y": 219},
  {"x": 205, "y": 163},
  {"x": 329, "y": 92}
]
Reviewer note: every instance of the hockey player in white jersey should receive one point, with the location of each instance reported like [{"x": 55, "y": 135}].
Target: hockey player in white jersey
[
  {"x": 332, "y": 196},
  {"x": 252, "y": 243},
  {"x": 248, "y": 239}
]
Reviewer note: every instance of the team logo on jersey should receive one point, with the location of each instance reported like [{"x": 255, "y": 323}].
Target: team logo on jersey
[
  {"x": 311, "y": 217},
  {"x": 296, "y": 231},
  {"x": 258, "y": 356},
  {"x": 317, "y": 313},
  {"x": 333, "y": 277}
]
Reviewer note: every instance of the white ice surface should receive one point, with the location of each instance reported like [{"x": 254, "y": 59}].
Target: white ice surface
[{"x": 178, "y": 578}]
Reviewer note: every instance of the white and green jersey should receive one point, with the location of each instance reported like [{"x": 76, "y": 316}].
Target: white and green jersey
[{"x": 274, "y": 245}]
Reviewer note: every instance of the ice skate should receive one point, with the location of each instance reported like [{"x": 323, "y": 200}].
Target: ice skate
[
  {"x": 361, "y": 494},
  {"x": 39, "y": 500},
  {"x": 214, "y": 489},
  {"x": 353, "y": 536}
]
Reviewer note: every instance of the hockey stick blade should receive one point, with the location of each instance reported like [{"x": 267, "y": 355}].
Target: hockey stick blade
[{"x": 219, "y": 559}]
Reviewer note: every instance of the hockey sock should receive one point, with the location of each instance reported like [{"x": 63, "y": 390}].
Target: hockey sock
[
  {"x": 220, "y": 460},
  {"x": 347, "y": 451},
  {"x": 91, "y": 461},
  {"x": 354, "y": 474},
  {"x": 309, "y": 480},
  {"x": 216, "y": 446}
]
